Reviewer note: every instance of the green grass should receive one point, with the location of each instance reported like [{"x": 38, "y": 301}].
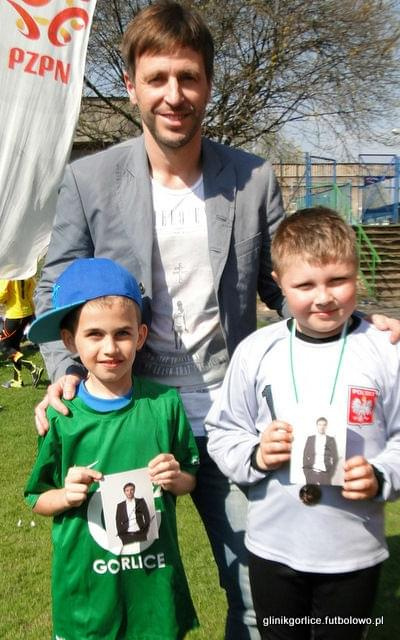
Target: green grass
[{"x": 26, "y": 550}]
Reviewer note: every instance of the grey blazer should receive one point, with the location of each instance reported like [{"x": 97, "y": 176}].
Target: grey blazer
[{"x": 105, "y": 209}]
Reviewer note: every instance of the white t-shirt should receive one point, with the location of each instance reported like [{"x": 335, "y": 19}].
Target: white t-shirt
[
  {"x": 131, "y": 511},
  {"x": 185, "y": 347},
  {"x": 319, "y": 460}
]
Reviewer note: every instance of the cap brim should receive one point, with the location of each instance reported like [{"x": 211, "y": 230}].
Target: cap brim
[{"x": 46, "y": 328}]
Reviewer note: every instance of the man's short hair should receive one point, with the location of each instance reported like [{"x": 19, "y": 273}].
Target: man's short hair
[
  {"x": 129, "y": 484},
  {"x": 317, "y": 234},
  {"x": 164, "y": 27}
]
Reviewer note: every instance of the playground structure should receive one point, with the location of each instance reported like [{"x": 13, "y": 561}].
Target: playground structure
[
  {"x": 326, "y": 190},
  {"x": 367, "y": 194},
  {"x": 380, "y": 193}
]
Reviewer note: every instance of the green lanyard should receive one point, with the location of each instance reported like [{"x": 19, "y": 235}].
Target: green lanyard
[{"x": 342, "y": 344}]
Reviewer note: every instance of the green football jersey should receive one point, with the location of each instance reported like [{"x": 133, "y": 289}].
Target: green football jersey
[{"x": 96, "y": 593}]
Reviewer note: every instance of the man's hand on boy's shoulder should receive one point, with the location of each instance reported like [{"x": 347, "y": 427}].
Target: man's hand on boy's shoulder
[
  {"x": 384, "y": 323},
  {"x": 64, "y": 387}
]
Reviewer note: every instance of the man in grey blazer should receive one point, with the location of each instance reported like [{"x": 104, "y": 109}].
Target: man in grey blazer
[{"x": 192, "y": 220}]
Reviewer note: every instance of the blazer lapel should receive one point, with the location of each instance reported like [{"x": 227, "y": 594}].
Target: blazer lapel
[
  {"x": 136, "y": 208},
  {"x": 220, "y": 193}
]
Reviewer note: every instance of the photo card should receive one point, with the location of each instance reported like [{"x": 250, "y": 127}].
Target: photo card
[
  {"x": 129, "y": 510},
  {"x": 318, "y": 447}
]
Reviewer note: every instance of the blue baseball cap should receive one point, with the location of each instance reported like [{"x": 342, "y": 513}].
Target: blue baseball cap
[{"x": 83, "y": 280}]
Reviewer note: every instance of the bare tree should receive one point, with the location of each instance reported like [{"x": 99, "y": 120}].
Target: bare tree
[{"x": 277, "y": 61}]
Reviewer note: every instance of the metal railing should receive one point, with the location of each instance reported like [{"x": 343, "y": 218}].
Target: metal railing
[{"x": 367, "y": 253}]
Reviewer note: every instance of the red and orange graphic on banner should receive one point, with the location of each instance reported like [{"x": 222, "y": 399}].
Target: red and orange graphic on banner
[{"x": 57, "y": 29}]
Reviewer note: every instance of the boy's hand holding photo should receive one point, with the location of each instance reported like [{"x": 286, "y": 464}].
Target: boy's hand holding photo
[
  {"x": 73, "y": 494},
  {"x": 165, "y": 471},
  {"x": 77, "y": 483},
  {"x": 360, "y": 482},
  {"x": 275, "y": 445}
]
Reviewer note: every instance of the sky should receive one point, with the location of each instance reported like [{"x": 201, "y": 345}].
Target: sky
[{"x": 304, "y": 135}]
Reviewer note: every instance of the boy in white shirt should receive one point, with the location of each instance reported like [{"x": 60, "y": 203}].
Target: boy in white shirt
[{"x": 315, "y": 551}]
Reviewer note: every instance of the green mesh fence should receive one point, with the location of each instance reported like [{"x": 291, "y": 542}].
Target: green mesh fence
[{"x": 334, "y": 196}]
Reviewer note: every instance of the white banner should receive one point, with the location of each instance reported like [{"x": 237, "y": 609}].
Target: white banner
[{"x": 42, "y": 57}]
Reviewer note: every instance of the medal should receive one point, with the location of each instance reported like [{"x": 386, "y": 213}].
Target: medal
[{"x": 310, "y": 494}]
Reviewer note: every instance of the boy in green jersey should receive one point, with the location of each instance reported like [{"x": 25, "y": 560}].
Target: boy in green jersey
[{"x": 116, "y": 424}]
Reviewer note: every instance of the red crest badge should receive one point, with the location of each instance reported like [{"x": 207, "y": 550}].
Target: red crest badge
[{"x": 361, "y": 405}]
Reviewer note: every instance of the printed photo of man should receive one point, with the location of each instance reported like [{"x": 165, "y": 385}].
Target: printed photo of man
[
  {"x": 132, "y": 517},
  {"x": 320, "y": 455}
]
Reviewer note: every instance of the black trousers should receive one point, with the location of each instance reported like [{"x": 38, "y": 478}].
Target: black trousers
[
  {"x": 12, "y": 333},
  {"x": 294, "y": 605}
]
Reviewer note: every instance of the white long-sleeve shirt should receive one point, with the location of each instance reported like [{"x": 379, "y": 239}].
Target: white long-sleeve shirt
[{"x": 336, "y": 535}]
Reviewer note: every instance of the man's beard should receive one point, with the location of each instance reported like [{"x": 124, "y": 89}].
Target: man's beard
[{"x": 171, "y": 139}]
